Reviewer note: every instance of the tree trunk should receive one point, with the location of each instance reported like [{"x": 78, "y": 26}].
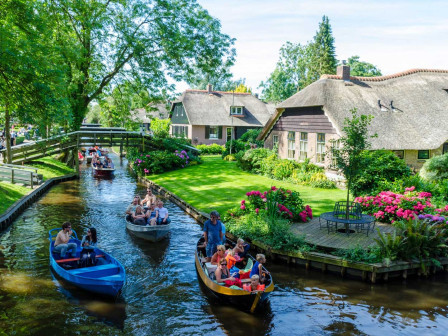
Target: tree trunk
[{"x": 8, "y": 157}]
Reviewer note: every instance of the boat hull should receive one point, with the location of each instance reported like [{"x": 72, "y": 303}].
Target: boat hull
[
  {"x": 150, "y": 233},
  {"x": 244, "y": 300},
  {"x": 103, "y": 172}
]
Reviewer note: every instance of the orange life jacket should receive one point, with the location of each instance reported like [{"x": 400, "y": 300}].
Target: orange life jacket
[
  {"x": 249, "y": 287},
  {"x": 230, "y": 261}
]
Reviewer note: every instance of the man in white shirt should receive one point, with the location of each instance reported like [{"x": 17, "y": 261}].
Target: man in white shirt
[{"x": 162, "y": 217}]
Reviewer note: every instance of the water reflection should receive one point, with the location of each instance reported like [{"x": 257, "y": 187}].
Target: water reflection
[{"x": 162, "y": 294}]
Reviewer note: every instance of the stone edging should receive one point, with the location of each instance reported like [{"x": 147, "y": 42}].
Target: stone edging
[{"x": 20, "y": 205}]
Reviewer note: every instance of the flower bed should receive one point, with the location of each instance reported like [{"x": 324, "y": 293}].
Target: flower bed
[{"x": 389, "y": 207}]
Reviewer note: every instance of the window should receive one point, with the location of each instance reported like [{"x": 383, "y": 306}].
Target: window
[
  {"x": 423, "y": 154},
  {"x": 236, "y": 110},
  {"x": 399, "y": 153},
  {"x": 335, "y": 145},
  {"x": 445, "y": 148},
  {"x": 213, "y": 132},
  {"x": 178, "y": 110},
  {"x": 180, "y": 131},
  {"x": 291, "y": 145},
  {"x": 275, "y": 142},
  {"x": 303, "y": 151},
  {"x": 320, "y": 148}
]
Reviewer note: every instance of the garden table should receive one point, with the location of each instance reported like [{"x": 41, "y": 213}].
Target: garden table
[{"x": 362, "y": 223}]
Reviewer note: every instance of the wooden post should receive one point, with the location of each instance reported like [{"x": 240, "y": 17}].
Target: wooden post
[
  {"x": 373, "y": 277},
  {"x": 364, "y": 275},
  {"x": 94, "y": 139},
  {"x": 12, "y": 175},
  {"x": 405, "y": 274},
  {"x": 143, "y": 143},
  {"x": 307, "y": 265},
  {"x": 324, "y": 267},
  {"x": 343, "y": 269},
  {"x": 386, "y": 276},
  {"x": 111, "y": 139}
]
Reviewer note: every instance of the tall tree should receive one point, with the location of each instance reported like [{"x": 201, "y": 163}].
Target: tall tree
[
  {"x": 362, "y": 69},
  {"x": 300, "y": 65},
  {"x": 138, "y": 40}
]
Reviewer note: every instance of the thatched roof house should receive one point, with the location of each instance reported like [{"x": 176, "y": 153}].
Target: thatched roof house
[
  {"x": 208, "y": 116},
  {"x": 410, "y": 110}
]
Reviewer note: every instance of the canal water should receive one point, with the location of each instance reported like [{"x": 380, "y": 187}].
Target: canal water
[{"x": 162, "y": 295}]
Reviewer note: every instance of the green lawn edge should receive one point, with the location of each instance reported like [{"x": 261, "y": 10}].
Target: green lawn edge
[
  {"x": 48, "y": 167},
  {"x": 220, "y": 185}
]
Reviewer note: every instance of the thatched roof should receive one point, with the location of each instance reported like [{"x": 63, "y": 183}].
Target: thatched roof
[
  {"x": 159, "y": 111},
  {"x": 413, "y": 112},
  {"x": 204, "y": 108}
]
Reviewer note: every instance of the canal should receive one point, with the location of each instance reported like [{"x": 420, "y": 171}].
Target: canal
[{"x": 162, "y": 294}]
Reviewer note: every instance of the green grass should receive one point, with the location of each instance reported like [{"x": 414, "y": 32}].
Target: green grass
[
  {"x": 48, "y": 167},
  {"x": 220, "y": 185}
]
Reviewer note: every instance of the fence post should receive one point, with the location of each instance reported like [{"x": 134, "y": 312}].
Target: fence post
[
  {"x": 12, "y": 175},
  {"x": 31, "y": 176}
]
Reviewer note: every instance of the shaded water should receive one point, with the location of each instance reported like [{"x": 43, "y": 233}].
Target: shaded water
[{"x": 162, "y": 295}]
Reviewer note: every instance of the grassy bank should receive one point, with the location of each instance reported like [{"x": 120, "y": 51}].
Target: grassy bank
[
  {"x": 220, "y": 185},
  {"x": 48, "y": 167}
]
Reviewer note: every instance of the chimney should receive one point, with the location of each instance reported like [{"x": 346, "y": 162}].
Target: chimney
[
  {"x": 343, "y": 71},
  {"x": 209, "y": 88}
]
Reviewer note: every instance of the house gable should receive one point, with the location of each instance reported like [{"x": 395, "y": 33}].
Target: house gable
[
  {"x": 304, "y": 119},
  {"x": 179, "y": 115}
]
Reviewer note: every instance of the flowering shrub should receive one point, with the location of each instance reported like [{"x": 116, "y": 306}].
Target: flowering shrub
[
  {"x": 388, "y": 206},
  {"x": 211, "y": 149},
  {"x": 286, "y": 203}
]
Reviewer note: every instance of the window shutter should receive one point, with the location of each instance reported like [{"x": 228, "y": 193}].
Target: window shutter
[
  {"x": 220, "y": 132},
  {"x": 207, "y": 132}
]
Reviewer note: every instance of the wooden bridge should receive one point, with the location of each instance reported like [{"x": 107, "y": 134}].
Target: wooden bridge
[{"x": 85, "y": 137}]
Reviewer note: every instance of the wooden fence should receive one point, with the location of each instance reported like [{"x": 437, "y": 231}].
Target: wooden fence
[{"x": 20, "y": 174}]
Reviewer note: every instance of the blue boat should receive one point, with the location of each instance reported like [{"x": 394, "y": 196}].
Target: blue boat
[{"x": 107, "y": 277}]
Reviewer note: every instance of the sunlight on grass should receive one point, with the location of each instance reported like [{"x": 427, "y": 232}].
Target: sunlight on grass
[{"x": 221, "y": 185}]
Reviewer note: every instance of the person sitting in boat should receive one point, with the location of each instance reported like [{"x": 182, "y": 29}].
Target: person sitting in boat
[
  {"x": 254, "y": 285},
  {"x": 149, "y": 199},
  {"x": 257, "y": 269},
  {"x": 98, "y": 151},
  {"x": 96, "y": 162},
  {"x": 62, "y": 244},
  {"x": 230, "y": 258},
  {"x": 131, "y": 209},
  {"x": 108, "y": 163},
  {"x": 139, "y": 217},
  {"x": 151, "y": 215},
  {"x": 162, "y": 214},
  {"x": 241, "y": 248},
  {"x": 219, "y": 255},
  {"x": 222, "y": 274},
  {"x": 88, "y": 244},
  {"x": 212, "y": 234}
]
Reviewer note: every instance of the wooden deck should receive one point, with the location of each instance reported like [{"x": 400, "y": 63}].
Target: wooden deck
[{"x": 320, "y": 236}]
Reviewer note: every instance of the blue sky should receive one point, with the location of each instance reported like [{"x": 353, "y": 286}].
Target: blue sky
[{"x": 393, "y": 35}]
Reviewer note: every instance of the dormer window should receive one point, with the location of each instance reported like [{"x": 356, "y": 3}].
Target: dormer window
[{"x": 236, "y": 110}]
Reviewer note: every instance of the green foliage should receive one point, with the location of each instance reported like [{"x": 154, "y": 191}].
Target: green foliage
[
  {"x": 323, "y": 184},
  {"x": 435, "y": 169},
  {"x": 300, "y": 65},
  {"x": 160, "y": 127},
  {"x": 251, "y": 135},
  {"x": 362, "y": 69},
  {"x": 230, "y": 158},
  {"x": 211, "y": 149},
  {"x": 252, "y": 159},
  {"x": 283, "y": 169},
  {"x": 377, "y": 166},
  {"x": 360, "y": 254},
  {"x": 235, "y": 146}
]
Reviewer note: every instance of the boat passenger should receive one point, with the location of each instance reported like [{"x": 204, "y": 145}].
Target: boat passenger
[
  {"x": 255, "y": 285},
  {"x": 222, "y": 274},
  {"x": 151, "y": 215},
  {"x": 212, "y": 234},
  {"x": 139, "y": 216},
  {"x": 241, "y": 249},
  {"x": 131, "y": 209},
  {"x": 149, "y": 199},
  {"x": 162, "y": 214},
  {"x": 230, "y": 258},
  {"x": 62, "y": 244},
  {"x": 258, "y": 268},
  {"x": 88, "y": 244},
  {"x": 219, "y": 255}
]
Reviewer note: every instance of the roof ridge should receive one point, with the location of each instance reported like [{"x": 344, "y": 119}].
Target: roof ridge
[
  {"x": 383, "y": 78},
  {"x": 222, "y": 92}
]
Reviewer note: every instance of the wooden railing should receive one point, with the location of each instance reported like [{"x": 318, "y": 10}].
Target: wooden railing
[{"x": 20, "y": 174}]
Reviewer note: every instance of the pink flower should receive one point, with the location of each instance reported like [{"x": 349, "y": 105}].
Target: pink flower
[
  {"x": 257, "y": 211},
  {"x": 243, "y": 207},
  {"x": 243, "y": 201},
  {"x": 410, "y": 189},
  {"x": 273, "y": 188}
]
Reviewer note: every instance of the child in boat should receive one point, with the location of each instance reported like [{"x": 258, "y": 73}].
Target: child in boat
[
  {"x": 255, "y": 285},
  {"x": 230, "y": 258},
  {"x": 257, "y": 269}
]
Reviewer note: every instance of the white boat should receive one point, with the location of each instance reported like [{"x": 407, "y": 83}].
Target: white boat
[{"x": 153, "y": 233}]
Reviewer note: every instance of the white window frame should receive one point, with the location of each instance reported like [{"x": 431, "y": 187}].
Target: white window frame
[
  {"x": 236, "y": 110},
  {"x": 291, "y": 145},
  {"x": 213, "y": 135},
  {"x": 335, "y": 144},
  {"x": 274, "y": 141},
  {"x": 320, "y": 149},
  {"x": 303, "y": 146}
]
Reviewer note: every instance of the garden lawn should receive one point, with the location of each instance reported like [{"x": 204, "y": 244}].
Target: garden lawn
[
  {"x": 48, "y": 167},
  {"x": 221, "y": 185}
]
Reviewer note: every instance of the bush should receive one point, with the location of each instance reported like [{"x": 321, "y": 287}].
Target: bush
[
  {"x": 323, "y": 184},
  {"x": 435, "y": 169},
  {"x": 360, "y": 254},
  {"x": 252, "y": 159},
  {"x": 211, "y": 149},
  {"x": 378, "y": 166},
  {"x": 237, "y": 146},
  {"x": 268, "y": 164},
  {"x": 20, "y": 140},
  {"x": 230, "y": 158},
  {"x": 160, "y": 127},
  {"x": 283, "y": 169}
]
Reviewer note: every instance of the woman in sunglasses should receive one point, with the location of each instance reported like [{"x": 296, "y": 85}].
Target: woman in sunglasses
[{"x": 222, "y": 274}]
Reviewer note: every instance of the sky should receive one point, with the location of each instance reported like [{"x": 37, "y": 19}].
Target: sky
[{"x": 393, "y": 35}]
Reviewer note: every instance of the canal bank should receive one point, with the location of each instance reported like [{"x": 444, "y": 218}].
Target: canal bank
[{"x": 162, "y": 295}]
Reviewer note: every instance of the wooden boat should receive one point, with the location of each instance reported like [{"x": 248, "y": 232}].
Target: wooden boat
[
  {"x": 107, "y": 277},
  {"x": 151, "y": 233},
  {"x": 103, "y": 171},
  {"x": 89, "y": 158},
  {"x": 240, "y": 298}
]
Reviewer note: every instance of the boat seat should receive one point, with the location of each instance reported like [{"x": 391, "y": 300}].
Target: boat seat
[
  {"x": 111, "y": 277},
  {"x": 75, "y": 259},
  {"x": 245, "y": 280},
  {"x": 210, "y": 268},
  {"x": 93, "y": 269}
]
